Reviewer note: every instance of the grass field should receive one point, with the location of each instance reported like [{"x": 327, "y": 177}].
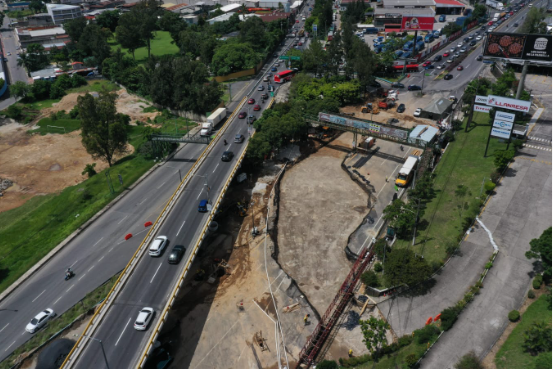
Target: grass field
[
  {"x": 160, "y": 45},
  {"x": 30, "y": 231},
  {"x": 47, "y": 125},
  {"x": 462, "y": 164},
  {"x": 511, "y": 354},
  {"x": 61, "y": 321}
]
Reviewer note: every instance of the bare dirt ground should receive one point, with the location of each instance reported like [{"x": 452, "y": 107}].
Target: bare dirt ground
[
  {"x": 39, "y": 165},
  {"x": 405, "y": 120}
]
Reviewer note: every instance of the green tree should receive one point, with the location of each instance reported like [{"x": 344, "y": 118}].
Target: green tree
[
  {"x": 20, "y": 89},
  {"x": 401, "y": 216},
  {"x": 146, "y": 13},
  {"x": 541, "y": 248},
  {"x": 89, "y": 170},
  {"x": 74, "y": 28},
  {"x": 94, "y": 42},
  {"x": 534, "y": 22},
  {"x": 402, "y": 266},
  {"x": 37, "y": 6},
  {"x": 252, "y": 31},
  {"x": 537, "y": 338},
  {"x": 104, "y": 131},
  {"x": 109, "y": 19},
  {"x": 314, "y": 57},
  {"x": 127, "y": 32},
  {"x": 172, "y": 23},
  {"x": 34, "y": 59},
  {"x": 370, "y": 278},
  {"x": 374, "y": 333},
  {"x": 334, "y": 55},
  {"x": 364, "y": 62},
  {"x": 327, "y": 364},
  {"x": 230, "y": 58}
]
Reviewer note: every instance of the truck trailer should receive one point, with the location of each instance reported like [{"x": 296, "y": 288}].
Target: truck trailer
[
  {"x": 406, "y": 172},
  {"x": 214, "y": 119}
]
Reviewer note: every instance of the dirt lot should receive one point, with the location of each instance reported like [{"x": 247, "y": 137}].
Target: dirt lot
[{"x": 39, "y": 165}]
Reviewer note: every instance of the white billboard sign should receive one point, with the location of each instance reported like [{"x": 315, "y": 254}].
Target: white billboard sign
[
  {"x": 509, "y": 117},
  {"x": 482, "y": 108},
  {"x": 481, "y": 99},
  {"x": 501, "y": 133},
  {"x": 508, "y": 103},
  {"x": 503, "y": 125}
]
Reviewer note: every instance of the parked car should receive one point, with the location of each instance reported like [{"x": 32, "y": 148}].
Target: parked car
[
  {"x": 227, "y": 156},
  {"x": 40, "y": 320},
  {"x": 417, "y": 112},
  {"x": 401, "y": 108},
  {"x": 448, "y": 76},
  {"x": 414, "y": 88}
]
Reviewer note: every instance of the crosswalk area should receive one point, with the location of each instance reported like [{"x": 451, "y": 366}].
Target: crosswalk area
[
  {"x": 537, "y": 147},
  {"x": 539, "y": 139}
]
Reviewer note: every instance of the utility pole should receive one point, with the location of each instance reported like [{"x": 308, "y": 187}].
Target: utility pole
[
  {"x": 416, "y": 221},
  {"x": 102, "y": 346},
  {"x": 522, "y": 79}
]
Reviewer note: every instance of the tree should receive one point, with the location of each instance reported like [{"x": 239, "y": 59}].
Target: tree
[
  {"x": 534, "y": 22},
  {"x": 20, "y": 89},
  {"x": 34, "y": 59},
  {"x": 252, "y": 31},
  {"x": 74, "y": 28},
  {"x": 172, "y": 23},
  {"x": 363, "y": 62},
  {"x": 37, "y": 6},
  {"x": 109, "y": 19},
  {"x": 402, "y": 217},
  {"x": 314, "y": 57},
  {"x": 94, "y": 42},
  {"x": 402, "y": 266},
  {"x": 2, "y": 16},
  {"x": 374, "y": 333},
  {"x": 537, "y": 338},
  {"x": 370, "y": 278},
  {"x": 127, "y": 33},
  {"x": 146, "y": 13},
  {"x": 104, "y": 131},
  {"x": 230, "y": 58},
  {"x": 327, "y": 364},
  {"x": 541, "y": 248}
]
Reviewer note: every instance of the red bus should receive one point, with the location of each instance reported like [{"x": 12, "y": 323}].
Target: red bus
[
  {"x": 284, "y": 76},
  {"x": 408, "y": 68}
]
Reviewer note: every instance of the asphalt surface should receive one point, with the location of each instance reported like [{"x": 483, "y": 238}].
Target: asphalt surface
[{"x": 153, "y": 278}]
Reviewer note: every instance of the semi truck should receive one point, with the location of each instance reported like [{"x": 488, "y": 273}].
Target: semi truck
[
  {"x": 494, "y": 4},
  {"x": 214, "y": 119},
  {"x": 406, "y": 172}
]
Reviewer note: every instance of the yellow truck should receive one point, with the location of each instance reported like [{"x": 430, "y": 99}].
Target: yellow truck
[{"x": 406, "y": 172}]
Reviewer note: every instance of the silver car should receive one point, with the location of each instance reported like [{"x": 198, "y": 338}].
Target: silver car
[{"x": 40, "y": 320}]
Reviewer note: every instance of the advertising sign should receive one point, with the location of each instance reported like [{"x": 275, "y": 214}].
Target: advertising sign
[
  {"x": 482, "y": 108},
  {"x": 417, "y": 23},
  {"x": 518, "y": 46},
  {"x": 481, "y": 99},
  {"x": 373, "y": 127},
  {"x": 503, "y": 125},
  {"x": 501, "y": 133},
  {"x": 508, "y": 103},
  {"x": 501, "y": 115}
]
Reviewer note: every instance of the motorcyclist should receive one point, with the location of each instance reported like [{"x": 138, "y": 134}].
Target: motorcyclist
[
  {"x": 68, "y": 272},
  {"x": 225, "y": 142}
]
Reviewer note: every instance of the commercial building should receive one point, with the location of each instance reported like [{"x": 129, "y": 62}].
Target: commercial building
[
  {"x": 18, "y": 6},
  {"x": 423, "y": 135},
  {"x": 175, "y": 8},
  {"x": 345, "y": 3},
  {"x": 49, "y": 37},
  {"x": 437, "y": 109},
  {"x": 408, "y": 4},
  {"x": 61, "y": 13},
  {"x": 391, "y": 19},
  {"x": 231, "y": 8},
  {"x": 226, "y": 17},
  {"x": 106, "y": 5},
  {"x": 449, "y": 7}
]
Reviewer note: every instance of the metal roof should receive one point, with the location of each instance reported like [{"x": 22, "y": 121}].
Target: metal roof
[
  {"x": 424, "y": 133},
  {"x": 392, "y": 3},
  {"x": 439, "y": 106}
]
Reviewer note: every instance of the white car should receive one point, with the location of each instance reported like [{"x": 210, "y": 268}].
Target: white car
[
  {"x": 144, "y": 318},
  {"x": 459, "y": 45},
  {"x": 158, "y": 245},
  {"x": 463, "y": 50},
  {"x": 417, "y": 112},
  {"x": 478, "y": 38},
  {"x": 40, "y": 320}
]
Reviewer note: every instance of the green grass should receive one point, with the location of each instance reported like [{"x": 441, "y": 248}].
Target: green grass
[
  {"x": 463, "y": 164},
  {"x": 66, "y": 126},
  {"x": 61, "y": 321},
  {"x": 160, "y": 45},
  {"x": 396, "y": 359},
  {"x": 29, "y": 232},
  {"x": 511, "y": 354}
]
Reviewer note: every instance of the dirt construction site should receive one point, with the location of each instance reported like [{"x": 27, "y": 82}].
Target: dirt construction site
[{"x": 31, "y": 164}]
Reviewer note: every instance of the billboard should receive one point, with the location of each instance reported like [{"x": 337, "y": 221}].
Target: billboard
[
  {"x": 518, "y": 46},
  {"x": 417, "y": 23},
  {"x": 501, "y": 133},
  {"x": 508, "y": 103},
  {"x": 503, "y": 125},
  {"x": 481, "y": 99},
  {"x": 501, "y": 115},
  {"x": 370, "y": 126},
  {"x": 482, "y": 108}
]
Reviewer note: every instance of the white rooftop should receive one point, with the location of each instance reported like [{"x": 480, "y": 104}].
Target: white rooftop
[
  {"x": 62, "y": 6},
  {"x": 47, "y": 32},
  {"x": 230, "y": 7}
]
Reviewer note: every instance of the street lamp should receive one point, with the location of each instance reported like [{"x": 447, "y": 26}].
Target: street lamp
[
  {"x": 416, "y": 220},
  {"x": 102, "y": 346}
]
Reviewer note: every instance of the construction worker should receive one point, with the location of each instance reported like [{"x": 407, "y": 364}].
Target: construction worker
[
  {"x": 305, "y": 319},
  {"x": 350, "y": 352}
]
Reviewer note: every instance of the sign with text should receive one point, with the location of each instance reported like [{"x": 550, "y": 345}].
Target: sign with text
[
  {"x": 503, "y": 125},
  {"x": 481, "y": 99},
  {"x": 518, "y": 46},
  {"x": 508, "y": 103},
  {"x": 370, "y": 126},
  {"x": 482, "y": 108},
  {"x": 501, "y": 133},
  {"x": 417, "y": 23},
  {"x": 501, "y": 115}
]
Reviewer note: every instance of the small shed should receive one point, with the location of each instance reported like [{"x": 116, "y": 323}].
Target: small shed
[
  {"x": 423, "y": 135},
  {"x": 437, "y": 109}
]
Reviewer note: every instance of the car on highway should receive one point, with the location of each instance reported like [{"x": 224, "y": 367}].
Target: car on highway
[
  {"x": 9, "y": 54},
  {"x": 266, "y": 79},
  {"x": 176, "y": 254},
  {"x": 274, "y": 69},
  {"x": 401, "y": 108},
  {"x": 144, "y": 318},
  {"x": 483, "y": 28},
  {"x": 157, "y": 246},
  {"x": 455, "y": 56},
  {"x": 463, "y": 50},
  {"x": 450, "y": 60},
  {"x": 452, "y": 50},
  {"x": 471, "y": 37},
  {"x": 460, "y": 67},
  {"x": 398, "y": 85},
  {"x": 437, "y": 58},
  {"x": 251, "y": 119},
  {"x": 277, "y": 64},
  {"x": 478, "y": 38},
  {"x": 417, "y": 112},
  {"x": 445, "y": 55},
  {"x": 227, "y": 156},
  {"x": 40, "y": 320},
  {"x": 479, "y": 58},
  {"x": 251, "y": 101},
  {"x": 202, "y": 206},
  {"x": 414, "y": 88},
  {"x": 448, "y": 76},
  {"x": 515, "y": 25},
  {"x": 242, "y": 115},
  {"x": 466, "y": 39},
  {"x": 441, "y": 66},
  {"x": 472, "y": 43},
  {"x": 256, "y": 108},
  {"x": 426, "y": 63},
  {"x": 300, "y": 43},
  {"x": 429, "y": 67},
  {"x": 239, "y": 138},
  {"x": 460, "y": 44},
  {"x": 260, "y": 88}
]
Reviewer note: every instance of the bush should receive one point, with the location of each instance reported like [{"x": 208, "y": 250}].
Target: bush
[
  {"x": 536, "y": 283},
  {"x": 488, "y": 265},
  {"x": 449, "y": 316},
  {"x": 405, "y": 340},
  {"x": 531, "y": 294},
  {"x": 380, "y": 247},
  {"x": 14, "y": 111},
  {"x": 89, "y": 169},
  {"x": 370, "y": 278},
  {"x": 469, "y": 361},
  {"x": 411, "y": 360},
  {"x": 503, "y": 158},
  {"x": 514, "y": 315},
  {"x": 78, "y": 80},
  {"x": 354, "y": 361},
  {"x": 426, "y": 334},
  {"x": 74, "y": 113},
  {"x": 543, "y": 361},
  {"x": 495, "y": 177},
  {"x": 327, "y": 364},
  {"x": 489, "y": 186},
  {"x": 378, "y": 267}
]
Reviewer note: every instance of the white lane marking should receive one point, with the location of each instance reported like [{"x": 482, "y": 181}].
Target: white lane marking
[
  {"x": 97, "y": 242},
  {"x": 9, "y": 346},
  {"x": 89, "y": 269},
  {"x": 101, "y": 258},
  {"x": 4, "y": 327},
  {"x": 81, "y": 277},
  {"x": 121, "y": 221},
  {"x": 161, "y": 185},
  {"x": 121, "y": 335},
  {"x": 215, "y": 168},
  {"x": 110, "y": 249},
  {"x": 157, "y": 270},
  {"x": 71, "y": 266},
  {"x": 181, "y": 227},
  {"x": 59, "y": 298},
  {"x": 141, "y": 202},
  {"x": 38, "y": 296},
  {"x": 200, "y": 194},
  {"x": 70, "y": 288}
]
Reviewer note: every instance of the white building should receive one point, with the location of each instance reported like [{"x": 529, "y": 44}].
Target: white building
[{"x": 61, "y": 13}]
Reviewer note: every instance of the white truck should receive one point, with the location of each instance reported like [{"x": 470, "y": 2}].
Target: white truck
[
  {"x": 494, "y": 4},
  {"x": 214, "y": 119},
  {"x": 406, "y": 172}
]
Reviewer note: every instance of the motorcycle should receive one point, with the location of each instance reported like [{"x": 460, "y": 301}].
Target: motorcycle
[
  {"x": 225, "y": 142},
  {"x": 69, "y": 275}
]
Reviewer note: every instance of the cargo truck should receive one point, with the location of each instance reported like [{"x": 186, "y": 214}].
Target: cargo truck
[
  {"x": 214, "y": 119},
  {"x": 406, "y": 172}
]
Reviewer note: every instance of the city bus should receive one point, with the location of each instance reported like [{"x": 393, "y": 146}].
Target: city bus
[
  {"x": 284, "y": 76},
  {"x": 408, "y": 68}
]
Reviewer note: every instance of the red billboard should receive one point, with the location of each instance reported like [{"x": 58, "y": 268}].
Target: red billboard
[{"x": 417, "y": 23}]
